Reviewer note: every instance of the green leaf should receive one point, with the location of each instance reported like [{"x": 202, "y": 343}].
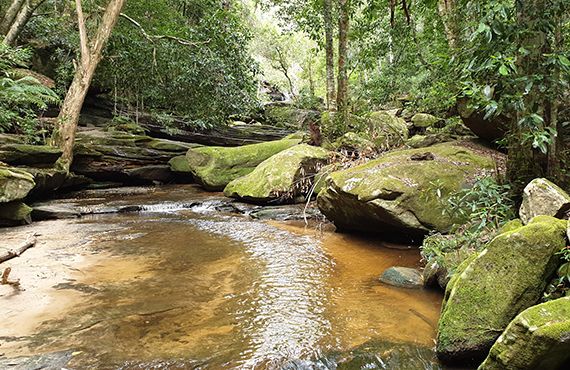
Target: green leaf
[
  {"x": 564, "y": 61},
  {"x": 503, "y": 70}
]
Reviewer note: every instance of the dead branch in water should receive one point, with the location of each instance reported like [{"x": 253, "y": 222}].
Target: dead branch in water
[{"x": 16, "y": 252}]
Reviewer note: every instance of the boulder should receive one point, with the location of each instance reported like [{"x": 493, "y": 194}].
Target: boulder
[
  {"x": 354, "y": 142},
  {"x": 15, "y": 213},
  {"x": 538, "y": 338},
  {"x": 490, "y": 129},
  {"x": 179, "y": 164},
  {"x": 542, "y": 197},
  {"x": 402, "y": 277},
  {"x": 286, "y": 177},
  {"x": 15, "y": 184},
  {"x": 403, "y": 192},
  {"x": 422, "y": 141},
  {"x": 215, "y": 167},
  {"x": 508, "y": 276},
  {"x": 288, "y": 116},
  {"x": 386, "y": 130},
  {"x": 424, "y": 120}
]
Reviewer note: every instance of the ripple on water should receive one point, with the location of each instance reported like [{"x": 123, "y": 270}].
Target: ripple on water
[{"x": 282, "y": 314}]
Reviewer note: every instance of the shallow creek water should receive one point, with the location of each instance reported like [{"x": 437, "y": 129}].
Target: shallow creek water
[{"x": 177, "y": 288}]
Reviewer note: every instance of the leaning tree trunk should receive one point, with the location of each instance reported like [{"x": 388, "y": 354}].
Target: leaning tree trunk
[
  {"x": 329, "y": 50},
  {"x": 10, "y": 15},
  {"x": 342, "y": 91},
  {"x": 90, "y": 56},
  {"x": 21, "y": 20}
]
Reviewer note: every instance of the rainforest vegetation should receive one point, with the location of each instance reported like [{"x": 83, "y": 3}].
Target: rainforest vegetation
[{"x": 440, "y": 124}]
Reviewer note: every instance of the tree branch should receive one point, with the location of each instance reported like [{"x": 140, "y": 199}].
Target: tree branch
[{"x": 85, "y": 55}]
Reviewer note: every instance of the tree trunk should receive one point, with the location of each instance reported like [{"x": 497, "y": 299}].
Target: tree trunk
[
  {"x": 446, "y": 10},
  {"x": 342, "y": 91},
  {"x": 71, "y": 108},
  {"x": 10, "y": 15},
  {"x": 329, "y": 50},
  {"x": 21, "y": 20}
]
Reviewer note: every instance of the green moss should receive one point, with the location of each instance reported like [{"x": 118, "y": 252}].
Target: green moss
[
  {"x": 179, "y": 164},
  {"x": 536, "y": 339},
  {"x": 396, "y": 192},
  {"x": 15, "y": 184},
  {"x": 283, "y": 116},
  {"x": 214, "y": 167},
  {"x": 22, "y": 154},
  {"x": 354, "y": 141},
  {"x": 167, "y": 145},
  {"x": 14, "y": 213},
  {"x": 282, "y": 177},
  {"x": 425, "y": 120},
  {"x": 506, "y": 278},
  {"x": 511, "y": 225}
]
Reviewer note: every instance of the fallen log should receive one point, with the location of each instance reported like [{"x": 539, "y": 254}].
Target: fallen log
[{"x": 17, "y": 252}]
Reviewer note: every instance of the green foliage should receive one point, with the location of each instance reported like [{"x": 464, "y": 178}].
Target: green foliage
[
  {"x": 484, "y": 207},
  {"x": 21, "y": 98}
]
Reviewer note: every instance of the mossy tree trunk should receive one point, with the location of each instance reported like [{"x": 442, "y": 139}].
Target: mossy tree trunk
[{"x": 91, "y": 54}]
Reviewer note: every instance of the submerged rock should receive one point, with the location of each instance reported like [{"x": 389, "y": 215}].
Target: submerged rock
[
  {"x": 284, "y": 178},
  {"x": 395, "y": 194},
  {"x": 538, "y": 338},
  {"x": 508, "y": 276},
  {"x": 214, "y": 167},
  {"x": 542, "y": 197},
  {"x": 15, "y": 184},
  {"x": 403, "y": 277}
]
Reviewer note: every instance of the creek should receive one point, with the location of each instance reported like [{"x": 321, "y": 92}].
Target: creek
[{"x": 175, "y": 286}]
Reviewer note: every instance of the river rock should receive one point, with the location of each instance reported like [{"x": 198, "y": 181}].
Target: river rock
[
  {"x": 542, "y": 197},
  {"x": 354, "y": 142},
  {"x": 402, "y": 277},
  {"x": 396, "y": 194},
  {"x": 179, "y": 164},
  {"x": 286, "y": 177},
  {"x": 386, "y": 130},
  {"x": 424, "y": 120},
  {"x": 215, "y": 167},
  {"x": 15, "y": 184},
  {"x": 15, "y": 213},
  {"x": 538, "y": 338},
  {"x": 508, "y": 276}
]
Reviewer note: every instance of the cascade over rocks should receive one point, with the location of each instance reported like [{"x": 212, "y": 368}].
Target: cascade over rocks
[
  {"x": 286, "y": 177},
  {"x": 507, "y": 277},
  {"x": 396, "y": 194},
  {"x": 542, "y": 197},
  {"x": 538, "y": 338},
  {"x": 215, "y": 167}
]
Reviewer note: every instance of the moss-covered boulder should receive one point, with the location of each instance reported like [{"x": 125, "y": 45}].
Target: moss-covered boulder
[
  {"x": 288, "y": 116},
  {"x": 214, "y": 167},
  {"x": 386, "y": 130},
  {"x": 507, "y": 277},
  {"x": 424, "y": 120},
  {"x": 14, "y": 214},
  {"x": 179, "y": 164},
  {"x": 403, "y": 192},
  {"x": 15, "y": 184},
  {"x": 284, "y": 178},
  {"x": 354, "y": 142},
  {"x": 543, "y": 197},
  {"x": 538, "y": 338}
]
